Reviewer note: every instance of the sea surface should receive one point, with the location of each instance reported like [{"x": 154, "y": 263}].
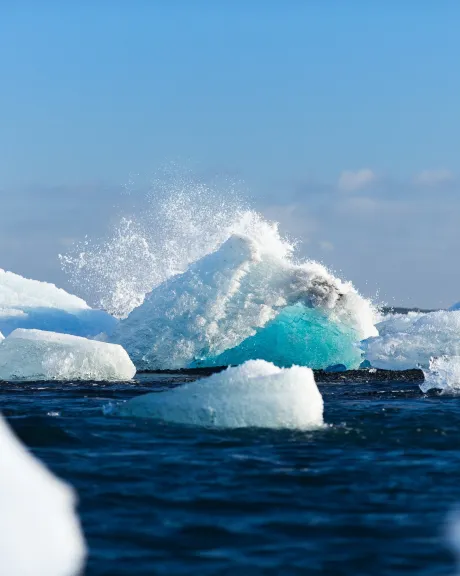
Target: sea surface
[{"x": 367, "y": 495}]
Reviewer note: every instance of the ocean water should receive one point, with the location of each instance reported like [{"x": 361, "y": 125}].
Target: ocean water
[
  {"x": 366, "y": 495},
  {"x": 199, "y": 280}
]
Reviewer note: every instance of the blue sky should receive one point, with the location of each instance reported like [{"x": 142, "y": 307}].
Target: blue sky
[{"x": 341, "y": 117}]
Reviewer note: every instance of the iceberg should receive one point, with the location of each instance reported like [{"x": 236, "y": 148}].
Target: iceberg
[
  {"x": 26, "y": 303},
  {"x": 249, "y": 300},
  {"x": 411, "y": 341},
  {"x": 200, "y": 279},
  {"x": 255, "y": 394},
  {"x": 39, "y": 531},
  {"x": 40, "y": 355}
]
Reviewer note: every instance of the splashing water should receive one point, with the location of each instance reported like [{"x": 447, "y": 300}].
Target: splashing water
[
  {"x": 181, "y": 220},
  {"x": 443, "y": 374},
  {"x": 222, "y": 286}
]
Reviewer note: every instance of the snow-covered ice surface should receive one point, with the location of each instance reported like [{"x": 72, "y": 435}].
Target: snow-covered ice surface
[
  {"x": 40, "y": 355},
  {"x": 408, "y": 341},
  {"x": 255, "y": 394},
  {"x": 40, "y": 534},
  {"x": 26, "y": 303},
  {"x": 249, "y": 300}
]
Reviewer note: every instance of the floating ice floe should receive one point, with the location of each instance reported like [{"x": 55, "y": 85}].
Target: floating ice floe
[
  {"x": 40, "y": 534},
  {"x": 28, "y": 303},
  {"x": 249, "y": 300},
  {"x": 443, "y": 374},
  {"x": 413, "y": 340},
  {"x": 40, "y": 355},
  {"x": 255, "y": 394}
]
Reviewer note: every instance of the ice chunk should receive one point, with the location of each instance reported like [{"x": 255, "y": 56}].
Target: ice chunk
[
  {"x": 28, "y": 303},
  {"x": 38, "y": 355},
  {"x": 40, "y": 534},
  {"x": 412, "y": 341},
  {"x": 1, "y": 337},
  {"x": 257, "y": 393},
  {"x": 443, "y": 374},
  {"x": 248, "y": 300}
]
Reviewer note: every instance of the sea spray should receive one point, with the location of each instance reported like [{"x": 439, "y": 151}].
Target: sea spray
[
  {"x": 180, "y": 220},
  {"x": 200, "y": 275},
  {"x": 442, "y": 374}
]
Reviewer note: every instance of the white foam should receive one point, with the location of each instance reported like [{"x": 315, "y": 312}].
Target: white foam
[
  {"x": 26, "y": 303},
  {"x": 443, "y": 374},
  {"x": 255, "y": 394},
  {"x": 39, "y": 531},
  {"x": 38, "y": 355},
  {"x": 411, "y": 341}
]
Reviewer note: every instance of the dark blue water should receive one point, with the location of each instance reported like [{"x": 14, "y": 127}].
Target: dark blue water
[{"x": 367, "y": 496}]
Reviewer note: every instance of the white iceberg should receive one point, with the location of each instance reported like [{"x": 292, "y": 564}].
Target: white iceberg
[
  {"x": 40, "y": 355},
  {"x": 26, "y": 303},
  {"x": 40, "y": 534},
  {"x": 249, "y": 300},
  {"x": 411, "y": 341},
  {"x": 255, "y": 394}
]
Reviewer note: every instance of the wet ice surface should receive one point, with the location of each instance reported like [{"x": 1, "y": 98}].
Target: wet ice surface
[{"x": 367, "y": 495}]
